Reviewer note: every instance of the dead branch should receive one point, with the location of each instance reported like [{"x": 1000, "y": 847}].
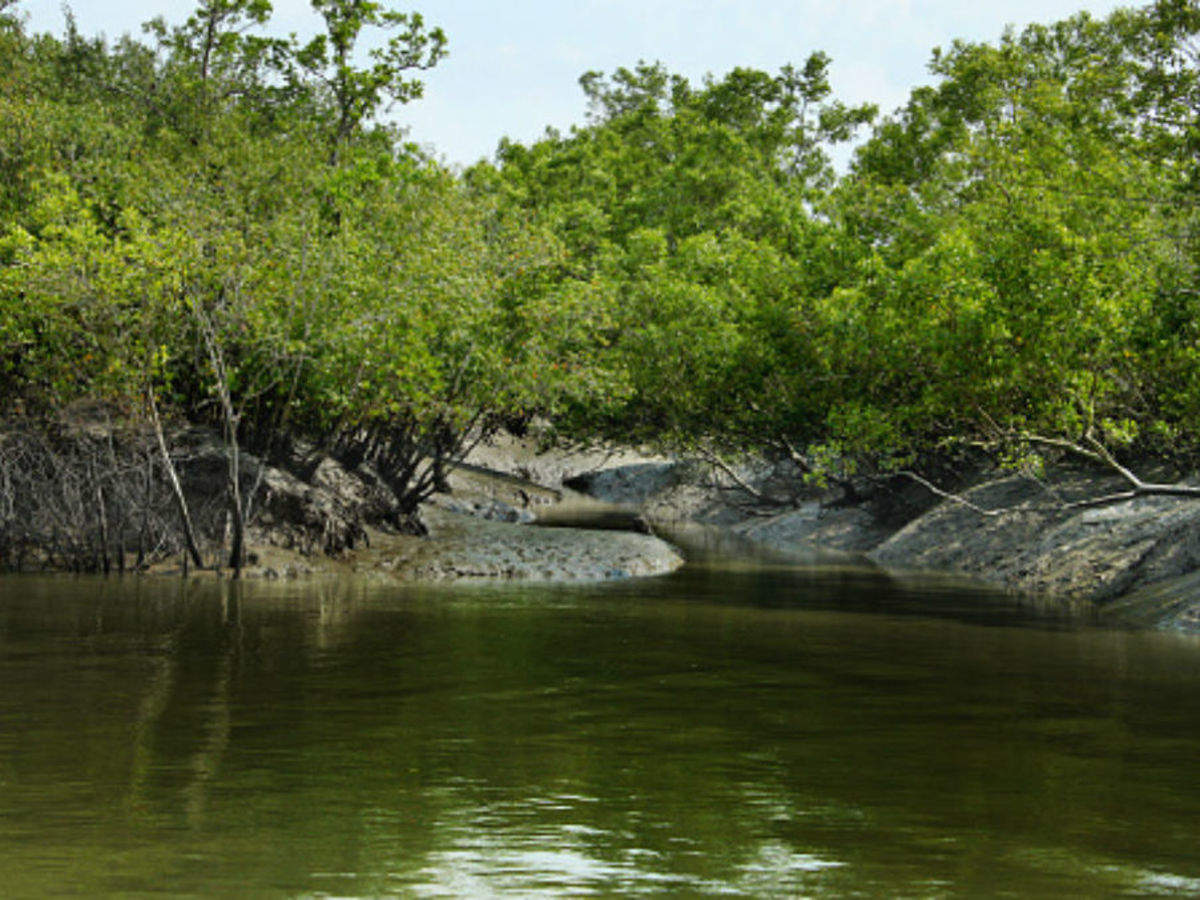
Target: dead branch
[
  {"x": 1099, "y": 453},
  {"x": 740, "y": 483},
  {"x": 953, "y": 498},
  {"x": 1062, "y": 444},
  {"x": 189, "y": 531},
  {"x": 1095, "y": 452}
]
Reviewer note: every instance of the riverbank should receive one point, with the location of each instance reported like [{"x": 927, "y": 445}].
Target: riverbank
[
  {"x": 1135, "y": 560},
  {"x": 461, "y": 547},
  {"x": 82, "y": 495}
]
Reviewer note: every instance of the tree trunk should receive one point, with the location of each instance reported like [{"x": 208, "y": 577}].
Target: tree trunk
[
  {"x": 237, "y": 541},
  {"x": 185, "y": 517},
  {"x": 102, "y": 520},
  {"x": 144, "y": 528}
]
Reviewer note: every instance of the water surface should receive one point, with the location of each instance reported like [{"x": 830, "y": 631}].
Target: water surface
[{"x": 737, "y": 729}]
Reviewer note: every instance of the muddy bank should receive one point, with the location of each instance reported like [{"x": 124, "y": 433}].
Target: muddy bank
[
  {"x": 1137, "y": 560},
  {"x": 480, "y": 528},
  {"x": 461, "y": 547},
  {"x": 84, "y": 496},
  {"x": 465, "y": 548}
]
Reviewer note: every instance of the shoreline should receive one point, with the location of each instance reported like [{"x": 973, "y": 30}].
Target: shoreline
[{"x": 1135, "y": 561}]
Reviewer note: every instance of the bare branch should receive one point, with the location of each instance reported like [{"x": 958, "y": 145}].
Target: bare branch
[
  {"x": 716, "y": 462},
  {"x": 1110, "y": 461},
  {"x": 1063, "y": 444},
  {"x": 953, "y": 498}
]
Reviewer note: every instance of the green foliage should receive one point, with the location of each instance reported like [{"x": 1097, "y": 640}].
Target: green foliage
[
  {"x": 175, "y": 228},
  {"x": 1012, "y": 252},
  {"x": 690, "y": 210},
  {"x": 1027, "y": 215},
  {"x": 358, "y": 93}
]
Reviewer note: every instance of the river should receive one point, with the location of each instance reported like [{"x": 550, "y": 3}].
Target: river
[{"x": 741, "y": 728}]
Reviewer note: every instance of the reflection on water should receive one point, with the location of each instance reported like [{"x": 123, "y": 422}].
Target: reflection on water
[{"x": 733, "y": 730}]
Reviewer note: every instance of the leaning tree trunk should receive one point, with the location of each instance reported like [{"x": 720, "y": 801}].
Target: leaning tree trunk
[{"x": 185, "y": 518}]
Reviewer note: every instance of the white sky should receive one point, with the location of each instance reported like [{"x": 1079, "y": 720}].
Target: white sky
[{"x": 513, "y": 66}]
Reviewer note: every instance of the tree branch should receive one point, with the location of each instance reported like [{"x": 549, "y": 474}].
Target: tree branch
[
  {"x": 953, "y": 498},
  {"x": 716, "y": 462}
]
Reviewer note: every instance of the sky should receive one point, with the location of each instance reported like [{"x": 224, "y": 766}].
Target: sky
[{"x": 513, "y": 67}]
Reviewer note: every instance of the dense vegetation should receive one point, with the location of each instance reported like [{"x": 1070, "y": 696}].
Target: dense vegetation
[
  {"x": 215, "y": 225},
  {"x": 1011, "y": 255}
]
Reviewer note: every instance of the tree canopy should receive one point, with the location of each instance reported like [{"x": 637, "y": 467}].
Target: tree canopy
[{"x": 224, "y": 222}]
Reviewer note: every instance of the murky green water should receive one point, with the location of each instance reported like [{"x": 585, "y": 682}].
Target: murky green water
[{"x": 734, "y": 730}]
